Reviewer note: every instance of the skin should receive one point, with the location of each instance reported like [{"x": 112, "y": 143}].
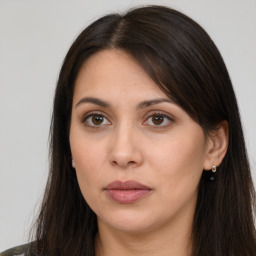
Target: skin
[{"x": 130, "y": 143}]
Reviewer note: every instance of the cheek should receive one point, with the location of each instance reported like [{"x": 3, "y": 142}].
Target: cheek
[
  {"x": 179, "y": 163},
  {"x": 89, "y": 164},
  {"x": 89, "y": 160},
  {"x": 85, "y": 149},
  {"x": 88, "y": 170}
]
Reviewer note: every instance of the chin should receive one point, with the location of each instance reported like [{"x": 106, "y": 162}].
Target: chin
[{"x": 128, "y": 221}]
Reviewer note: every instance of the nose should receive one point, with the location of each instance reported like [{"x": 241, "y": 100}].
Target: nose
[{"x": 125, "y": 148}]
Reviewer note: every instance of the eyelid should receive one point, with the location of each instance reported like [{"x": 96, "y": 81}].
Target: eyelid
[
  {"x": 91, "y": 113},
  {"x": 160, "y": 113},
  {"x": 147, "y": 116}
]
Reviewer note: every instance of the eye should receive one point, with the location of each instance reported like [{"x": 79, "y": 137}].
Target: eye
[
  {"x": 158, "y": 119},
  {"x": 95, "y": 119}
]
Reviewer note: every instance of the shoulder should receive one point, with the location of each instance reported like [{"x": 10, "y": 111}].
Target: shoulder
[{"x": 21, "y": 250}]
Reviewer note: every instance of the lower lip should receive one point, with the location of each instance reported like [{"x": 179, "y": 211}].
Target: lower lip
[{"x": 127, "y": 196}]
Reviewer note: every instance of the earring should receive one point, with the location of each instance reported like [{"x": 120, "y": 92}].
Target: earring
[
  {"x": 212, "y": 175},
  {"x": 73, "y": 163}
]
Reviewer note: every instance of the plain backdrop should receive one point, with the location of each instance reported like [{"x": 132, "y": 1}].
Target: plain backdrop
[{"x": 34, "y": 38}]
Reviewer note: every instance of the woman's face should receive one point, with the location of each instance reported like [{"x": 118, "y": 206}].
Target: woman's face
[{"x": 137, "y": 155}]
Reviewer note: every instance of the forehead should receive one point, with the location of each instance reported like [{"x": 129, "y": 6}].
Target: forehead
[{"x": 114, "y": 70}]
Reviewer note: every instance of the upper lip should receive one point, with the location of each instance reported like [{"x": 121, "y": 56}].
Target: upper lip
[{"x": 126, "y": 185}]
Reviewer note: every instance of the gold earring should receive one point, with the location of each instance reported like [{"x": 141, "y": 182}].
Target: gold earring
[
  {"x": 212, "y": 175},
  {"x": 214, "y": 168}
]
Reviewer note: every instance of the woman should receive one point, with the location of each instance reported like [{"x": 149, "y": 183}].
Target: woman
[{"x": 147, "y": 150}]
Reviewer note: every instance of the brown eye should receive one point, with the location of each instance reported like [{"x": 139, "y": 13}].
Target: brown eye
[
  {"x": 94, "y": 120},
  {"x": 157, "y": 119},
  {"x": 97, "y": 119}
]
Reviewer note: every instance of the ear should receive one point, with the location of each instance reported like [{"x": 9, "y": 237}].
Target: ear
[
  {"x": 73, "y": 163},
  {"x": 217, "y": 146}
]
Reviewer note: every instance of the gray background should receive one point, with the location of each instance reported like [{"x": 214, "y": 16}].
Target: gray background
[{"x": 34, "y": 37}]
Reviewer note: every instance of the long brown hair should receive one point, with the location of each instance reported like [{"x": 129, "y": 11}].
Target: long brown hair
[{"x": 184, "y": 62}]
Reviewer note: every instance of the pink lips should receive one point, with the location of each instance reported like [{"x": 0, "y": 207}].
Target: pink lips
[{"x": 127, "y": 192}]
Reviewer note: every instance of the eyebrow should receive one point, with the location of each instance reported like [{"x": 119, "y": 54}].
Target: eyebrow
[
  {"x": 94, "y": 101},
  {"x": 148, "y": 103},
  {"x": 141, "y": 105}
]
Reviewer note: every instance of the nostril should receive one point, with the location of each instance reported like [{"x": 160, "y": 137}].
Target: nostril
[
  {"x": 127, "y": 163},
  {"x": 114, "y": 162}
]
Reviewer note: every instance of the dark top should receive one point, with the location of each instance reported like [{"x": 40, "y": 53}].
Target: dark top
[{"x": 22, "y": 250}]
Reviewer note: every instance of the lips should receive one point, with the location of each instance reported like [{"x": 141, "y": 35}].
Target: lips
[{"x": 127, "y": 192}]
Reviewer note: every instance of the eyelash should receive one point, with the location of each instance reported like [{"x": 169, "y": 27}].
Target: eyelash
[
  {"x": 166, "y": 118},
  {"x": 158, "y": 113},
  {"x": 91, "y": 114}
]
